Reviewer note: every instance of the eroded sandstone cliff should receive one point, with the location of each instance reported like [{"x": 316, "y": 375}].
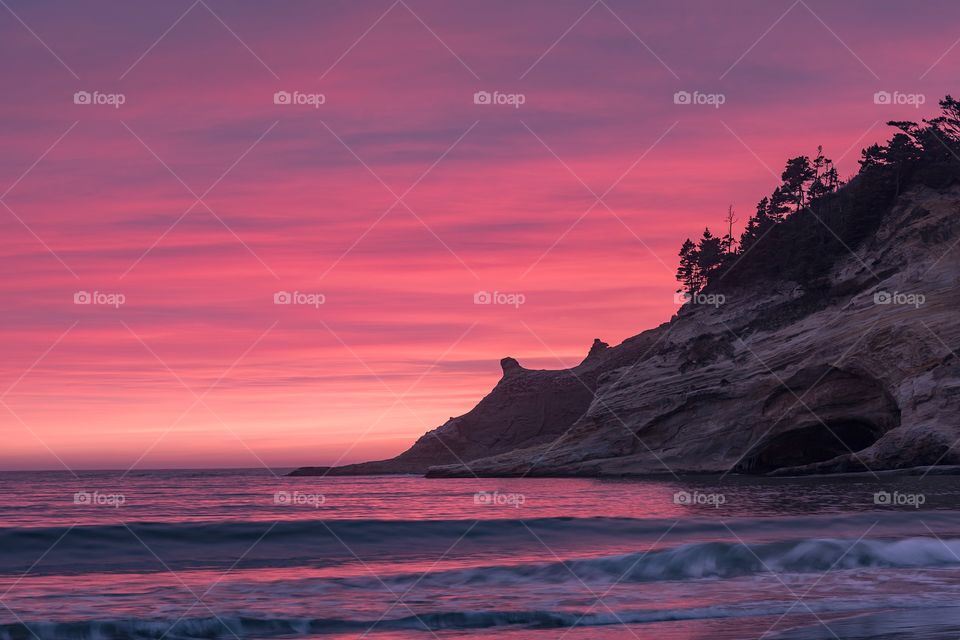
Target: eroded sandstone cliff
[{"x": 856, "y": 371}]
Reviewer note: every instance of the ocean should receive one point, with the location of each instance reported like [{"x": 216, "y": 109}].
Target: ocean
[{"x": 248, "y": 554}]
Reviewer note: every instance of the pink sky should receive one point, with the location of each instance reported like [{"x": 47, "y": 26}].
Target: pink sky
[{"x": 300, "y": 200}]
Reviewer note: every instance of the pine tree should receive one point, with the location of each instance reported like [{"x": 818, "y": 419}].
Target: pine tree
[
  {"x": 872, "y": 156},
  {"x": 757, "y": 226},
  {"x": 825, "y": 179},
  {"x": 778, "y": 205},
  {"x": 688, "y": 274},
  {"x": 710, "y": 255},
  {"x": 795, "y": 176},
  {"x": 948, "y": 122},
  {"x": 900, "y": 155}
]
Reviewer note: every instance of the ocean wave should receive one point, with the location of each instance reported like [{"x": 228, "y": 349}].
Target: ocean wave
[
  {"x": 319, "y": 543},
  {"x": 711, "y": 560}
]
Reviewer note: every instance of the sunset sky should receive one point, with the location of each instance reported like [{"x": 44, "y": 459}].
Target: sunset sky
[{"x": 397, "y": 199}]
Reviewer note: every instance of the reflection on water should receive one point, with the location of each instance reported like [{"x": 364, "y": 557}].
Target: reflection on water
[{"x": 33, "y": 499}]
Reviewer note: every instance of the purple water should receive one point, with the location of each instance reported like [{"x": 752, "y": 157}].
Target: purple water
[{"x": 246, "y": 554}]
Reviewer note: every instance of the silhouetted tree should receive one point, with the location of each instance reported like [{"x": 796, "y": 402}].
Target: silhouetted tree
[
  {"x": 832, "y": 178},
  {"x": 825, "y": 179},
  {"x": 688, "y": 274},
  {"x": 796, "y": 246},
  {"x": 948, "y": 122},
  {"x": 728, "y": 242},
  {"x": 778, "y": 205},
  {"x": 710, "y": 254},
  {"x": 795, "y": 177},
  {"x": 871, "y": 157},
  {"x": 756, "y": 226},
  {"x": 901, "y": 155}
]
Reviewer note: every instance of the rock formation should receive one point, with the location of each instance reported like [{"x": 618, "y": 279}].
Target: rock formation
[{"x": 855, "y": 372}]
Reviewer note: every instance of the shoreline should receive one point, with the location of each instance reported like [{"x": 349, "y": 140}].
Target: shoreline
[{"x": 919, "y": 471}]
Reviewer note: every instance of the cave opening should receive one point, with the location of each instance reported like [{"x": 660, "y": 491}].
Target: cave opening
[{"x": 810, "y": 444}]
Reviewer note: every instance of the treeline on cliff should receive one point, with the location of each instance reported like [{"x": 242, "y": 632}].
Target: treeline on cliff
[{"x": 813, "y": 217}]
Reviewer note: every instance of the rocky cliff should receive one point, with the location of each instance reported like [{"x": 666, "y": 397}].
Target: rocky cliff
[{"x": 855, "y": 371}]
